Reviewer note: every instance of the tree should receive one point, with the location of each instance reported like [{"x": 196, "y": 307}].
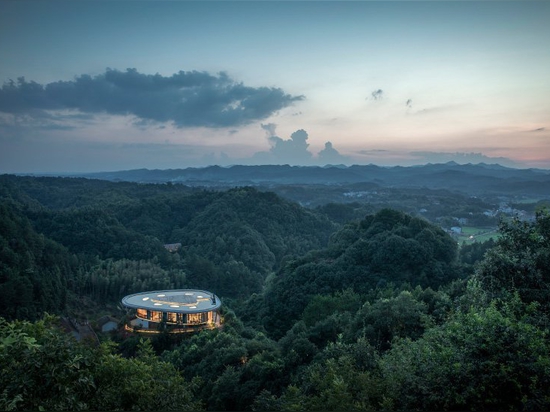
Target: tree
[
  {"x": 386, "y": 319},
  {"x": 487, "y": 358},
  {"x": 342, "y": 377},
  {"x": 520, "y": 262},
  {"x": 388, "y": 247},
  {"x": 44, "y": 368}
]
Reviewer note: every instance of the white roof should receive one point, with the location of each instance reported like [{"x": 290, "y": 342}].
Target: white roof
[{"x": 175, "y": 300}]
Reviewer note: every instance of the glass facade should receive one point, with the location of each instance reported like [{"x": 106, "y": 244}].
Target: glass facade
[{"x": 178, "y": 318}]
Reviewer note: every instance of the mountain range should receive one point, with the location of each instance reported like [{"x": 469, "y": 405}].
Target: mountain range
[{"x": 467, "y": 178}]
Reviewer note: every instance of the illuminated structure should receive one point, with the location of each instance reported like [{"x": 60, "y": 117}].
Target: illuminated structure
[{"x": 176, "y": 311}]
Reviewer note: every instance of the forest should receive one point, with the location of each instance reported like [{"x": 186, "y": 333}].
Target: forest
[{"x": 332, "y": 307}]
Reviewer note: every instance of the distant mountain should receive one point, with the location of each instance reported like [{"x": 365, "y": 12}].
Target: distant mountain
[{"x": 468, "y": 178}]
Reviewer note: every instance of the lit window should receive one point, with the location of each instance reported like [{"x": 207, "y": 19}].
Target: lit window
[
  {"x": 194, "y": 318},
  {"x": 156, "y": 316}
]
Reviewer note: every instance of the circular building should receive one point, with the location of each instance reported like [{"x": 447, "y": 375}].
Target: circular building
[{"x": 178, "y": 311}]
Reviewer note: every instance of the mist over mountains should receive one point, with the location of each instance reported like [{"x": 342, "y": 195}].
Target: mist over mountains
[{"x": 468, "y": 178}]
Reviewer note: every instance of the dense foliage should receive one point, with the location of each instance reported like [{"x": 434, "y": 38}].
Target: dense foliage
[
  {"x": 105, "y": 240},
  {"x": 43, "y": 368},
  {"x": 34, "y": 270},
  {"x": 323, "y": 310},
  {"x": 520, "y": 263},
  {"x": 389, "y": 246}
]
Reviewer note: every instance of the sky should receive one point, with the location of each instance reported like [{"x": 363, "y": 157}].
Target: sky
[{"x": 115, "y": 85}]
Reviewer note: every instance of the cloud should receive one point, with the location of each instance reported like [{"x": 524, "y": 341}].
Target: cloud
[
  {"x": 372, "y": 151},
  {"x": 409, "y": 103},
  {"x": 294, "y": 148},
  {"x": 540, "y": 129},
  {"x": 187, "y": 99},
  {"x": 37, "y": 120},
  {"x": 329, "y": 155},
  {"x": 294, "y": 151},
  {"x": 377, "y": 94},
  {"x": 269, "y": 129},
  {"x": 291, "y": 151}
]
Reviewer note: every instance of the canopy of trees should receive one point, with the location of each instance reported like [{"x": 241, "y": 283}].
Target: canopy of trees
[
  {"x": 322, "y": 310},
  {"x": 389, "y": 246}
]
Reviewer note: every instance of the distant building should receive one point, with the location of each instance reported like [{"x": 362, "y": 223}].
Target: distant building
[
  {"x": 172, "y": 247},
  {"x": 456, "y": 229},
  {"x": 176, "y": 311},
  {"x": 107, "y": 323}
]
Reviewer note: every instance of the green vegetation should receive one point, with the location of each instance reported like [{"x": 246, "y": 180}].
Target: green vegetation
[
  {"x": 44, "y": 369},
  {"x": 471, "y": 234},
  {"x": 342, "y": 307}
]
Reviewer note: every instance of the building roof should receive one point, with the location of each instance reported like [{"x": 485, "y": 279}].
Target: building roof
[
  {"x": 175, "y": 300},
  {"x": 172, "y": 247},
  {"x": 106, "y": 319}
]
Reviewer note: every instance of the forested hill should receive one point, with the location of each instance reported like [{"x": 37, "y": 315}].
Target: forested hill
[
  {"x": 468, "y": 178},
  {"x": 389, "y": 247},
  {"x": 381, "y": 312},
  {"x": 112, "y": 236}
]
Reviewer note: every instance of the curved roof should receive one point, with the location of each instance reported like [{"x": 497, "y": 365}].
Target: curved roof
[{"x": 175, "y": 300}]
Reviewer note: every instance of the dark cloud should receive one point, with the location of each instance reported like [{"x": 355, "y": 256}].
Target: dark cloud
[
  {"x": 377, "y": 94},
  {"x": 329, "y": 155},
  {"x": 409, "y": 103},
  {"x": 39, "y": 120},
  {"x": 540, "y": 129},
  {"x": 187, "y": 99}
]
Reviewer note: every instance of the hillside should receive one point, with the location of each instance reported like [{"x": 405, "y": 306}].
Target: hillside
[
  {"x": 231, "y": 240},
  {"x": 388, "y": 247},
  {"x": 342, "y": 307}
]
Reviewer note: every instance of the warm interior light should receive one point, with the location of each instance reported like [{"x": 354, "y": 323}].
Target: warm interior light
[{"x": 174, "y": 306}]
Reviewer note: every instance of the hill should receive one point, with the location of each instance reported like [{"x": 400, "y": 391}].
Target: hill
[
  {"x": 388, "y": 247},
  {"x": 116, "y": 232}
]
